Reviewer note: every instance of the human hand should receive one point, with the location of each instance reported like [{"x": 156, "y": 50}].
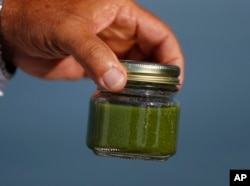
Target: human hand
[{"x": 71, "y": 39}]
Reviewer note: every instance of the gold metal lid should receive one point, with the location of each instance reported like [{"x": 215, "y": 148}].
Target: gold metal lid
[{"x": 151, "y": 72}]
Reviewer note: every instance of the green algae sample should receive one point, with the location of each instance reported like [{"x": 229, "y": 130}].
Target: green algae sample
[{"x": 133, "y": 131}]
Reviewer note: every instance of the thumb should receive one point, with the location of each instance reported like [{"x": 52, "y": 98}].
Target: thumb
[{"x": 99, "y": 61}]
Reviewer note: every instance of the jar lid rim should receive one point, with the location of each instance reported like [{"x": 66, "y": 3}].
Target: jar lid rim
[{"x": 151, "y": 72}]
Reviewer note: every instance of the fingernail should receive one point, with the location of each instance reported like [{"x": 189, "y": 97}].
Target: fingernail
[{"x": 113, "y": 78}]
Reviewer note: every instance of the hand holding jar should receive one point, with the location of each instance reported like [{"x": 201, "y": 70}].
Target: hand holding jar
[{"x": 72, "y": 39}]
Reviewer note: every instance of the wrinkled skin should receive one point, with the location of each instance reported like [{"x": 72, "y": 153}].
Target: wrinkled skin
[{"x": 72, "y": 39}]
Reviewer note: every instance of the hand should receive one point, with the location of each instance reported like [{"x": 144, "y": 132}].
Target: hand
[{"x": 71, "y": 39}]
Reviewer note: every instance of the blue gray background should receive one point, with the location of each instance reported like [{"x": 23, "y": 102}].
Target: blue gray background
[{"x": 43, "y": 124}]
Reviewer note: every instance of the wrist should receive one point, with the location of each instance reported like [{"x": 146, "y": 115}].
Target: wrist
[{"x": 7, "y": 69}]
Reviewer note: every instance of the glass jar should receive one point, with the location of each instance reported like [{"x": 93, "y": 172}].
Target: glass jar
[{"x": 140, "y": 121}]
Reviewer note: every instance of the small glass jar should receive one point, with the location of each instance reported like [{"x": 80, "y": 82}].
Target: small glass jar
[{"x": 140, "y": 121}]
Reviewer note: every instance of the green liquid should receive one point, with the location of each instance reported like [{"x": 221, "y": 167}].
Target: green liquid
[{"x": 128, "y": 130}]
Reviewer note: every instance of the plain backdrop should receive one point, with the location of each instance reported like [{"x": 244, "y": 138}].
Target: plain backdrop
[{"x": 43, "y": 124}]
